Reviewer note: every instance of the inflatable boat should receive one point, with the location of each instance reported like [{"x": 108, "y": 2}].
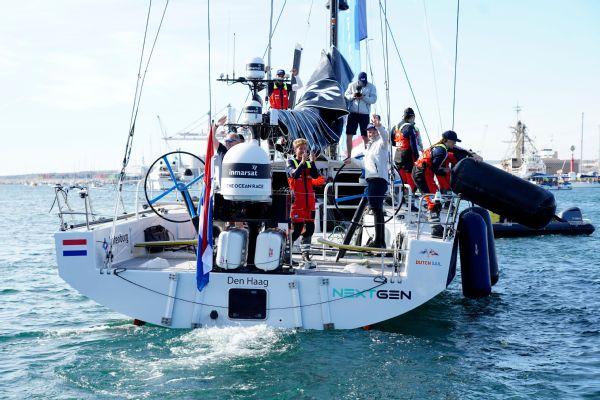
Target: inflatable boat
[{"x": 569, "y": 222}]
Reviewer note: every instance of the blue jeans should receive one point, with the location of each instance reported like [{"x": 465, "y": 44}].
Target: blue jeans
[{"x": 376, "y": 190}]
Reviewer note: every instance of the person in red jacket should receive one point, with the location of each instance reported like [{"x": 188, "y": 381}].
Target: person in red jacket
[
  {"x": 407, "y": 150},
  {"x": 301, "y": 171},
  {"x": 279, "y": 92},
  {"x": 435, "y": 162}
]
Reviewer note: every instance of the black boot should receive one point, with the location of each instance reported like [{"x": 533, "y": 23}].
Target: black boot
[{"x": 379, "y": 241}]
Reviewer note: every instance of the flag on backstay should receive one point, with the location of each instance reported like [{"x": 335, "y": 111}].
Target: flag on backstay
[{"x": 204, "y": 259}]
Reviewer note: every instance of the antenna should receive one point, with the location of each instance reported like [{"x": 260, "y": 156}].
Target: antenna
[
  {"x": 581, "y": 147},
  {"x": 270, "y": 36},
  {"x": 518, "y": 109},
  {"x": 233, "y": 55}
]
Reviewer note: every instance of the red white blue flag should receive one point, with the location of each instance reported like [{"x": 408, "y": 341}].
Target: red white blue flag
[{"x": 204, "y": 259}]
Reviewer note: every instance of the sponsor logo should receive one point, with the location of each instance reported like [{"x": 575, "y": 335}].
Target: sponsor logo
[
  {"x": 121, "y": 238},
  {"x": 246, "y": 170},
  {"x": 372, "y": 294},
  {"x": 245, "y": 186},
  {"x": 233, "y": 172},
  {"x": 248, "y": 281},
  {"x": 429, "y": 253},
  {"x": 428, "y": 262}
]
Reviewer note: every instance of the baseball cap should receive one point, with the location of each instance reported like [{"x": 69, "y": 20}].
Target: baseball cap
[
  {"x": 371, "y": 126},
  {"x": 450, "y": 135},
  {"x": 362, "y": 77},
  {"x": 280, "y": 72},
  {"x": 409, "y": 112}
]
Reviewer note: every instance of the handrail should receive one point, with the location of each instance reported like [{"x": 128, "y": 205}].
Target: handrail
[
  {"x": 91, "y": 217},
  {"x": 450, "y": 219}
]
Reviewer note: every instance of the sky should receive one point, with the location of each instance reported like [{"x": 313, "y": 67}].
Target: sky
[{"x": 68, "y": 72}]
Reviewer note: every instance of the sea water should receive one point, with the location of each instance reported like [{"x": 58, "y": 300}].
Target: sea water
[{"x": 536, "y": 337}]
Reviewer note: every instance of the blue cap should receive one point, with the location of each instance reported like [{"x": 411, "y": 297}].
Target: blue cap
[
  {"x": 280, "y": 72},
  {"x": 362, "y": 77},
  {"x": 371, "y": 126},
  {"x": 450, "y": 135}
]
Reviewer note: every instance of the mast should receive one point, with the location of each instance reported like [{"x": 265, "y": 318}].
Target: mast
[
  {"x": 333, "y": 41},
  {"x": 333, "y": 13},
  {"x": 581, "y": 147},
  {"x": 270, "y": 34},
  {"x": 519, "y": 138}
]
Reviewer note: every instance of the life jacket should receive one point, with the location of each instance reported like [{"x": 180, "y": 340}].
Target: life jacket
[
  {"x": 402, "y": 142},
  {"x": 279, "y": 98},
  {"x": 425, "y": 161},
  {"x": 302, "y": 187}
]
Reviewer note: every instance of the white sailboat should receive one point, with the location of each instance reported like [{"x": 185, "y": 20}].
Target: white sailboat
[{"x": 145, "y": 265}]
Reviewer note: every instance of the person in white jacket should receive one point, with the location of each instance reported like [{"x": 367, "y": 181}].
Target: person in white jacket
[
  {"x": 376, "y": 164},
  {"x": 359, "y": 97}
]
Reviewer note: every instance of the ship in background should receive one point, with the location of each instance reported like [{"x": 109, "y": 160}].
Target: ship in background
[{"x": 523, "y": 158}]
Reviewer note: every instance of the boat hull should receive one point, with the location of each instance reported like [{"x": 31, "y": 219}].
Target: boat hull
[{"x": 161, "y": 289}]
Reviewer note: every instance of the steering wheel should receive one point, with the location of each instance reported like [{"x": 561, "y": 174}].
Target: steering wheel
[
  {"x": 393, "y": 188},
  {"x": 173, "y": 181}
]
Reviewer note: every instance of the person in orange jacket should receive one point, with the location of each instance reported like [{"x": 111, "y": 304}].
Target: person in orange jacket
[
  {"x": 301, "y": 171},
  {"x": 279, "y": 92},
  {"x": 435, "y": 162},
  {"x": 407, "y": 149}
]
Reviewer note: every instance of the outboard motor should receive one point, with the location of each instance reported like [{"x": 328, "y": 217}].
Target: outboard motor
[
  {"x": 571, "y": 214},
  {"x": 503, "y": 193}
]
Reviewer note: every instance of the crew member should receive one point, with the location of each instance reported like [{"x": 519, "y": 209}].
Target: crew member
[
  {"x": 301, "y": 171},
  {"x": 434, "y": 162},
  {"x": 376, "y": 164},
  {"x": 407, "y": 148},
  {"x": 231, "y": 138},
  {"x": 279, "y": 93},
  {"x": 359, "y": 96}
]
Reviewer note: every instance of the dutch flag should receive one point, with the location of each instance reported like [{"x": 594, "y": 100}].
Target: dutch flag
[
  {"x": 74, "y": 247},
  {"x": 204, "y": 257}
]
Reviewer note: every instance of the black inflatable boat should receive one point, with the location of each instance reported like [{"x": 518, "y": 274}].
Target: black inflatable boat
[{"x": 570, "y": 222}]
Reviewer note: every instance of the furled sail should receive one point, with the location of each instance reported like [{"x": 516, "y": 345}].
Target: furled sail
[{"x": 318, "y": 116}]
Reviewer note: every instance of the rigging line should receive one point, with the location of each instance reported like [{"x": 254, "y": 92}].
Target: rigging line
[
  {"x": 385, "y": 71},
  {"x": 275, "y": 27},
  {"x": 405, "y": 72},
  {"x": 137, "y": 85},
  {"x": 369, "y": 62},
  {"x": 209, "y": 72},
  {"x": 266, "y": 49},
  {"x": 384, "y": 48},
  {"x": 308, "y": 21},
  {"x": 435, "y": 85},
  {"x": 137, "y": 101},
  {"x": 269, "y": 47},
  {"x": 198, "y": 121},
  {"x": 455, "y": 62}
]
